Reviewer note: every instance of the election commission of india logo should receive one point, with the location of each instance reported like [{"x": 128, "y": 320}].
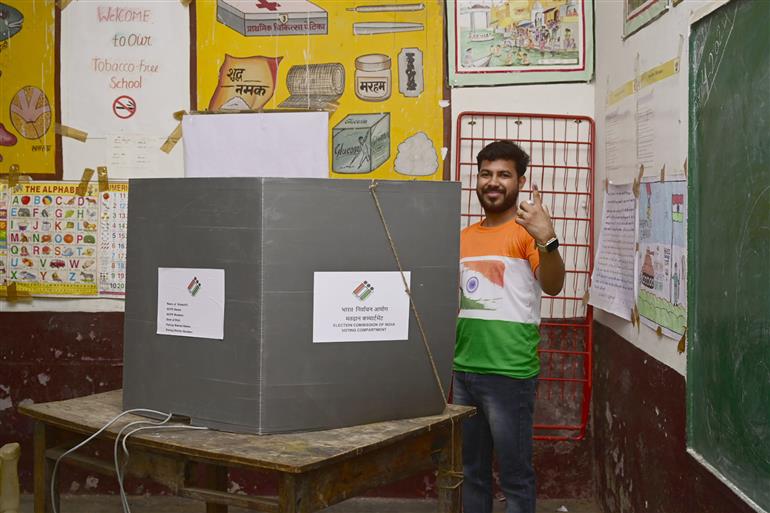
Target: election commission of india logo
[
  {"x": 194, "y": 286},
  {"x": 363, "y": 290}
]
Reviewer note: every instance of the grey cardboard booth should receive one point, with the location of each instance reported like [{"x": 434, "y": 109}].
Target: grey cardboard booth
[{"x": 270, "y": 236}]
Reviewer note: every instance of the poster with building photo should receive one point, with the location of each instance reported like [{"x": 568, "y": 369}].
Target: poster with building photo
[
  {"x": 662, "y": 299},
  {"x": 493, "y": 42},
  {"x": 638, "y": 13}
]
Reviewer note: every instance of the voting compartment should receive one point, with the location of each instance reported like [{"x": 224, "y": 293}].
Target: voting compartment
[{"x": 269, "y": 305}]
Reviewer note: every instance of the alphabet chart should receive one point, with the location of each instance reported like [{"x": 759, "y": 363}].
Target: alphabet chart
[{"x": 62, "y": 241}]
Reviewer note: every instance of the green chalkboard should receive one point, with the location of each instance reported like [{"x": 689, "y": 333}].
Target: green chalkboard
[{"x": 728, "y": 366}]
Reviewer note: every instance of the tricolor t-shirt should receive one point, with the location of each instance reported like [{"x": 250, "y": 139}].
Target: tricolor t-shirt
[{"x": 498, "y": 325}]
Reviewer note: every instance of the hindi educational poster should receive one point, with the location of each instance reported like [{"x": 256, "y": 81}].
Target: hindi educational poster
[
  {"x": 493, "y": 42},
  {"x": 663, "y": 256},
  {"x": 657, "y": 119},
  {"x": 126, "y": 73},
  {"x": 113, "y": 231},
  {"x": 371, "y": 65},
  {"x": 27, "y": 87},
  {"x": 639, "y": 13},
  {"x": 360, "y": 306},
  {"x": 613, "y": 283},
  {"x": 52, "y": 247}
]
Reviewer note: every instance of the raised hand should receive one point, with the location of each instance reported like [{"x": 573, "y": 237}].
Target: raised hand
[{"x": 534, "y": 217}]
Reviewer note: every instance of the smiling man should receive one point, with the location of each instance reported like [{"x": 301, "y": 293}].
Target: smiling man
[{"x": 505, "y": 261}]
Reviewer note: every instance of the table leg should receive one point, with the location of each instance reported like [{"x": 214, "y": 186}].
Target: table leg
[
  {"x": 43, "y": 470},
  {"x": 450, "y": 471},
  {"x": 216, "y": 479},
  {"x": 293, "y": 494}
]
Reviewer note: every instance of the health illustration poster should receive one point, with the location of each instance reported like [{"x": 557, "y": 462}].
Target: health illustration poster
[
  {"x": 376, "y": 67},
  {"x": 52, "y": 246},
  {"x": 662, "y": 297},
  {"x": 126, "y": 73},
  {"x": 27, "y": 87}
]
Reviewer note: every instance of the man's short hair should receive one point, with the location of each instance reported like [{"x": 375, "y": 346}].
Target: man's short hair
[{"x": 504, "y": 150}]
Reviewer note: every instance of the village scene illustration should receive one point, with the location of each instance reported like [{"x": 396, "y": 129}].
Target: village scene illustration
[
  {"x": 518, "y": 34},
  {"x": 662, "y": 255}
]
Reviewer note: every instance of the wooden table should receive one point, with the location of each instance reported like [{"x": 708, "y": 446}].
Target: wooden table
[{"x": 314, "y": 469}]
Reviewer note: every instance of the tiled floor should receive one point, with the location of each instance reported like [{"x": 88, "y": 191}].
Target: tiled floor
[{"x": 111, "y": 504}]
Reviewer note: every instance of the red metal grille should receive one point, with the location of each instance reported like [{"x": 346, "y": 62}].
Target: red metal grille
[{"x": 561, "y": 150}]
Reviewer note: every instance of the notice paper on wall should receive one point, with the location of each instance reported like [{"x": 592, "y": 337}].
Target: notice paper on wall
[
  {"x": 279, "y": 144},
  {"x": 620, "y": 149},
  {"x": 191, "y": 302},
  {"x": 360, "y": 306},
  {"x": 614, "y": 278},
  {"x": 658, "y": 126}
]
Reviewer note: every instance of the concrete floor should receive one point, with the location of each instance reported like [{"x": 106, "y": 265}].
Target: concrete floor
[{"x": 111, "y": 504}]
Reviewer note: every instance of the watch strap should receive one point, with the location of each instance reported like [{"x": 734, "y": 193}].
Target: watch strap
[{"x": 550, "y": 245}]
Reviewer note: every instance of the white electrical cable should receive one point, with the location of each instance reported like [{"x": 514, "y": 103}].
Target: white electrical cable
[
  {"x": 123, "y": 498},
  {"x": 84, "y": 442},
  {"x": 121, "y": 472},
  {"x": 174, "y": 426}
]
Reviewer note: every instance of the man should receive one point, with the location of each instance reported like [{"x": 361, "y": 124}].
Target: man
[{"x": 505, "y": 261}]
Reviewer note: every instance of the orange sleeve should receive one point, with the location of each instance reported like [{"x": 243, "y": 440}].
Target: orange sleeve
[{"x": 530, "y": 251}]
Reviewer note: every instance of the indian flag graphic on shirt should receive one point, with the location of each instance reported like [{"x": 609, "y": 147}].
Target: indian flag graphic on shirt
[
  {"x": 483, "y": 284},
  {"x": 499, "y": 288}
]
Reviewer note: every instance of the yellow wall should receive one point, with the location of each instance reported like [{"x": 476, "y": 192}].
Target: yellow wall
[{"x": 27, "y": 63}]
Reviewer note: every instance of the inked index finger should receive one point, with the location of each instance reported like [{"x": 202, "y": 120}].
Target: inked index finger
[{"x": 536, "y": 195}]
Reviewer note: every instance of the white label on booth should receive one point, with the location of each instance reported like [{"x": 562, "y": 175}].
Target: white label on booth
[
  {"x": 191, "y": 302},
  {"x": 360, "y": 306}
]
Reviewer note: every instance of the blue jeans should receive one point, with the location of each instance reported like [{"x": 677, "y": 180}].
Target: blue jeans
[{"x": 503, "y": 421}]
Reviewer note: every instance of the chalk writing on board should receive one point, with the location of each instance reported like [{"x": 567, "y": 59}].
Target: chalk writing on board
[
  {"x": 709, "y": 49},
  {"x": 613, "y": 280}
]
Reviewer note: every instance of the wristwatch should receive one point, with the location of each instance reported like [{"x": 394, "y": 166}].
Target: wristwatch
[{"x": 551, "y": 244}]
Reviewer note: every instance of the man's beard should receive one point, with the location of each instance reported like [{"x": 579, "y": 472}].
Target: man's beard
[{"x": 509, "y": 200}]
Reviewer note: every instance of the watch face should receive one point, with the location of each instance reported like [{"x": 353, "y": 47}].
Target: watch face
[{"x": 552, "y": 245}]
